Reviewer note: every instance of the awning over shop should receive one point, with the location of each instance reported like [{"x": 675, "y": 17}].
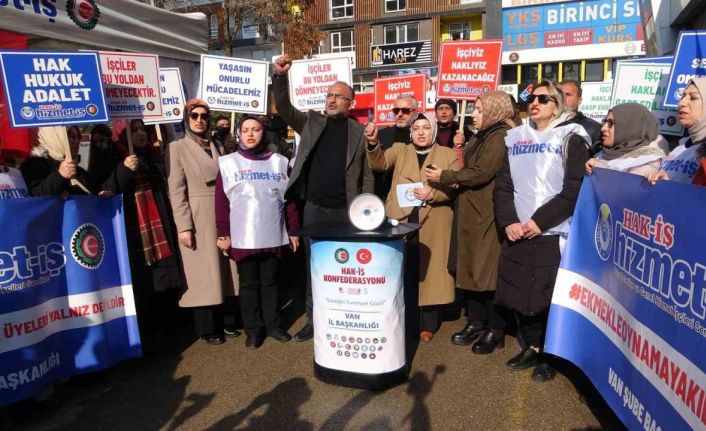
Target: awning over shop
[{"x": 116, "y": 24}]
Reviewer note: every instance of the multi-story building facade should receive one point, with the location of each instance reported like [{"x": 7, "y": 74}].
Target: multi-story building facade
[{"x": 390, "y": 37}]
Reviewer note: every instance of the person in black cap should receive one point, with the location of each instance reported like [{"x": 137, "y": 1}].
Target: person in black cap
[{"x": 446, "y": 110}]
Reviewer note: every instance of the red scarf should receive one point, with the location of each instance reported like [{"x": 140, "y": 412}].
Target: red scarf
[{"x": 154, "y": 241}]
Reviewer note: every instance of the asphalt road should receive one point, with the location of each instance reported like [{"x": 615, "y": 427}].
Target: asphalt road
[{"x": 188, "y": 385}]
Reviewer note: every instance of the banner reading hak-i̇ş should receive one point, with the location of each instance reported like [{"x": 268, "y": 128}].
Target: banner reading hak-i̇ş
[
  {"x": 389, "y": 89},
  {"x": 633, "y": 282},
  {"x": 469, "y": 69},
  {"x": 358, "y": 297},
  {"x": 173, "y": 99},
  {"x": 309, "y": 80},
  {"x": 53, "y": 88},
  {"x": 131, "y": 84},
  {"x": 66, "y": 302},
  {"x": 234, "y": 84}
]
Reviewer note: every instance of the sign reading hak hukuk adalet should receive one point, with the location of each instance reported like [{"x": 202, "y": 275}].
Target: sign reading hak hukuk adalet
[
  {"x": 172, "y": 96},
  {"x": 644, "y": 81},
  {"x": 389, "y": 89},
  {"x": 53, "y": 88},
  {"x": 468, "y": 69},
  {"x": 689, "y": 62},
  {"x": 309, "y": 80},
  {"x": 131, "y": 84},
  {"x": 234, "y": 84}
]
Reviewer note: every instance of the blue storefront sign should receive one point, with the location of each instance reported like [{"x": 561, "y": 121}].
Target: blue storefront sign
[
  {"x": 66, "y": 301},
  {"x": 633, "y": 281},
  {"x": 53, "y": 88},
  {"x": 571, "y": 23},
  {"x": 689, "y": 61}
]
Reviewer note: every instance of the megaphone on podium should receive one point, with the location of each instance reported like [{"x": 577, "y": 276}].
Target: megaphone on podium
[{"x": 366, "y": 212}]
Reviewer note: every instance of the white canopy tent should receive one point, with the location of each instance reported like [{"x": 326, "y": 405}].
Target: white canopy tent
[{"x": 125, "y": 25}]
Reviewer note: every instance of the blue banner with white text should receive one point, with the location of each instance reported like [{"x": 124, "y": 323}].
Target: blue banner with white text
[
  {"x": 53, "y": 88},
  {"x": 629, "y": 304},
  {"x": 66, "y": 302}
]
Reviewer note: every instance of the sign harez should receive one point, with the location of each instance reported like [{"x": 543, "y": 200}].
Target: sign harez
[{"x": 400, "y": 53}]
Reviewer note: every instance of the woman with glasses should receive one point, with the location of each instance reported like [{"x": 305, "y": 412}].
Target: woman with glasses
[
  {"x": 436, "y": 285},
  {"x": 630, "y": 142},
  {"x": 210, "y": 276},
  {"x": 535, "y": 194},
  {"x": 687, "y": 162},
  {"x": 477, "y": 239}
]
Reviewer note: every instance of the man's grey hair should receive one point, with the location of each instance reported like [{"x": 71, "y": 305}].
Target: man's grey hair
[{"x": 415, "y": 104}]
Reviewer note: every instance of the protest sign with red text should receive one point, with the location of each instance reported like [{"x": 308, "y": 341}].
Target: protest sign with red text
[
  {"x": 388, "y": 89},
  {"x": 131, "y": 83},
  {"x": 309, "y": 80},
  {"x": 469, "y": 69}
]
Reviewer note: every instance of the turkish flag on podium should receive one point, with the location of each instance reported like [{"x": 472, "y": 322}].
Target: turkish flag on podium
[{"x": 14, "y": 142}]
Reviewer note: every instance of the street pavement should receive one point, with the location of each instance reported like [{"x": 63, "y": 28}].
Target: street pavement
[{"x": 188, "y": 385}]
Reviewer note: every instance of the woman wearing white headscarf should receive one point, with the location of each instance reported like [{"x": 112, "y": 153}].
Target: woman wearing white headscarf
[
  {"x": 686, "y": 163},
  {"x": 631, "y": 141},
  {"x": 436, "y": 285},
  {"x": 52, "y": 172}
]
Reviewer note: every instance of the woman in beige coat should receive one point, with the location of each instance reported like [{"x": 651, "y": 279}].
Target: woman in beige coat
[
  {"x": 436, "y": 285},
  {"x": 193, "y": 167}
]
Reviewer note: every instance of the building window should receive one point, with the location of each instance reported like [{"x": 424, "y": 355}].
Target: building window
[
  {"x": 550, "y": 71},
  {"x": 594, "y": 70},
  {"x": 530, "y": 73},
  {"x": 460, "y": 30},
  {"x": 571, "y": 70},
  {"x": 509, "y": 74},
  {"x": 214, "y": 25},
  {"x": 341, "y": 9},
  {"x": 395, "y": 5},
  {"x": 342, "y": 41},
  {"x": 402, "y": 33}
]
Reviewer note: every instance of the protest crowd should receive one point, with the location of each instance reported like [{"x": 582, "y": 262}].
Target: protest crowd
[{"x": 494, "y": 214}]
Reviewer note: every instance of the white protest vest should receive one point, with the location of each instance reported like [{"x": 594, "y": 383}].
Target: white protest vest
[
  {"x": 12, "y": 184},
  {"x": 537, "y": 168},
  {"x": 255, "y": 189},
  {"x": 682, "y": 163}
]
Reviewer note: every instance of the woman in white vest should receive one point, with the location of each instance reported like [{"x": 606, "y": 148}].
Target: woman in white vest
[
  {"x": 252, "y": 220},
  {"x": 535, "y": 194},
  {"x": 683, "y": 163},
  {"x": 631, "y": 142}
]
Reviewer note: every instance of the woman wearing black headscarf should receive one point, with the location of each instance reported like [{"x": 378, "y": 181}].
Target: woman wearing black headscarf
[{"x": 253, "y": 220}]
